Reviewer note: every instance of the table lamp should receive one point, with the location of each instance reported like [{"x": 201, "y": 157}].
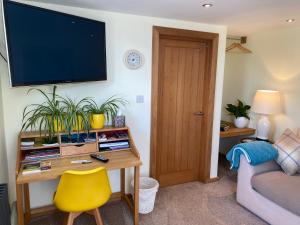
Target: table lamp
[{"x": 265, "y": 103}]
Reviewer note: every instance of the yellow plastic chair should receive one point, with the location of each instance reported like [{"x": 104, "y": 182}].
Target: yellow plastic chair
[{"x": 82, "y": 191}]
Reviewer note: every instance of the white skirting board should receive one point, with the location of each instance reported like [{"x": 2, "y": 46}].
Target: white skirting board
[{"x": 13, "y": 216}]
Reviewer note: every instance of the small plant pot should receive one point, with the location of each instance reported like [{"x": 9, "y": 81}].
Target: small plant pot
[
  {"x": 58, "y": 126},
  {"x": 241, "y": 122},
  {"x": 80, "y": 121},
  {"x": 97, "y": 121}
]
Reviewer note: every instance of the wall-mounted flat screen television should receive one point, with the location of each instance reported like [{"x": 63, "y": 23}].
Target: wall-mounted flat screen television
[{"x": 47, "y": 47}]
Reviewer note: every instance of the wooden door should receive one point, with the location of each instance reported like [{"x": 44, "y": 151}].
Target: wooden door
[{"x": 181, "y": 105}]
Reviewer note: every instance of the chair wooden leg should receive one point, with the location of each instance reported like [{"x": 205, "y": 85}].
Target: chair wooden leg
[
  {"x": 71, "y": 217},
  {"x": 97, "y": 217}
]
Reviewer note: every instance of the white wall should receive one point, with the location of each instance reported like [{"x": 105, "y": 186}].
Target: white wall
[
  {"x": 3, "y": 158},
  {"x": 275, "y": 65},
  {"x": 234, "y": 79},
  {"x": 123, "y": 32}
]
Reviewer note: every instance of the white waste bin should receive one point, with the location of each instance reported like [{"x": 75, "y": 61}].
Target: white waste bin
[{"x": 147, "y": 193}]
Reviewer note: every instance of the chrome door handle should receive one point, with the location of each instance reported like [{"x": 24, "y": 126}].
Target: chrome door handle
[{"x": 198, "y": 113}]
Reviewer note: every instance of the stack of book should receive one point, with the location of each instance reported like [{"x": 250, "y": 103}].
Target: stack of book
[
  {"x": 33, "y": 167},
  {"x": 224, "y": 126},
  {"x": 113, "y": 136},
  {"x": 27, "y": 144},
  {"x": 37, "y": 155},
  {"x": 107, "y": 146},
  {"x": 45, "y": 165}
]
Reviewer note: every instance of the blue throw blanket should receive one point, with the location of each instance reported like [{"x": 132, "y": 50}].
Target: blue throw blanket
[{"x": 256, "y": 152}]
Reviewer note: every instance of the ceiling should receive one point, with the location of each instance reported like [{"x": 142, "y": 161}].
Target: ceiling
[{"x": 242, "y": 17}]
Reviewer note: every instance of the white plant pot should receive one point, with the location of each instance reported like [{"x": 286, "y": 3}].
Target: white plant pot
[{"x": 241, "y": 122}]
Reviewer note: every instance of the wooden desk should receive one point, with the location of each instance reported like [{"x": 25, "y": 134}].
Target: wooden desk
[
  {"x": 118, "y": 160},
  {"x": 233, "y": 132}
]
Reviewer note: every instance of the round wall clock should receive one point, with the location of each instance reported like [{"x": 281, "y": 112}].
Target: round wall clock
[{"x": 133, "y": 59}]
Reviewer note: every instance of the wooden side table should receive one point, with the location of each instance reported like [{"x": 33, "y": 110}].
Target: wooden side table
[{"x": 234, "y": 132}]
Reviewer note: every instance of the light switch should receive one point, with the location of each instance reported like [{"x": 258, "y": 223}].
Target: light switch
[{"x": 140, "y": 99}]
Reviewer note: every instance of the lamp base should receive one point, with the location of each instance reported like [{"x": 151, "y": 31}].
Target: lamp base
[{"x": 263, "y": 128}]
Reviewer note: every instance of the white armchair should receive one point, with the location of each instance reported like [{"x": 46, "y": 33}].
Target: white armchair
[{"x": 257, "y": 203}]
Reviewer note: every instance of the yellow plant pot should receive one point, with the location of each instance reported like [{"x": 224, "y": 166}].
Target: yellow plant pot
[
  {"x": 97, "y": 121},
  {"x": 58, "y": 126},
  {"x": 80, "y": 120}
]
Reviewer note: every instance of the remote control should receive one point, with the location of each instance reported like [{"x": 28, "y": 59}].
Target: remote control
[{"x": 99, "y": 157}]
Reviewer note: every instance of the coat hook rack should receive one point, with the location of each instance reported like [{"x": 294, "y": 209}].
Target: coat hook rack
[
  {"x": 235, "y": 45},
  {"x": 243, "y": 39}
]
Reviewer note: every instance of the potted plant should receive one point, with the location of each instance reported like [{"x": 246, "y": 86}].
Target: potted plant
[
  {"x": 107, "y": 110},
  {"x": 76, "y": 115},
  {"x": 47, "y": 116},
  {"x": 240, "y": 111}
]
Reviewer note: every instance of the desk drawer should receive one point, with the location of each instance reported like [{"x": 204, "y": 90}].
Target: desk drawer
[{"x": 78, "y": 149}]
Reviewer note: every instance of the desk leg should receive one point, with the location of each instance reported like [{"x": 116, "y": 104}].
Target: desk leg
[
  {"x": 136, "y": 195},
  {"x": 19, "y": 192},
  {"x": 122, "y": 182},
  {"x": 27, "y": 203}
]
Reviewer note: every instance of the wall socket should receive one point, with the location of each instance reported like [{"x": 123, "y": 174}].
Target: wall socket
[{"x": 140, "y": 99}]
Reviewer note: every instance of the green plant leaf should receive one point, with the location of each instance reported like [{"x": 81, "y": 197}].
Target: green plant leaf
[
  {"x": 239, "y": 110},
  {"x": 109, "y": 108}
]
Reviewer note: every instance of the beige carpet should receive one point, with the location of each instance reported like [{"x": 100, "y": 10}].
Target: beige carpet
[{"x": 186, "y": 204}]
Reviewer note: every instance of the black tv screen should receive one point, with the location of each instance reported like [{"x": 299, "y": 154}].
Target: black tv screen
[{"x": 47, "y": 47}]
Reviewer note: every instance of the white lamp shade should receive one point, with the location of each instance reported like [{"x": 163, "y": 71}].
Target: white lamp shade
[{"x": 266, "y": 102}]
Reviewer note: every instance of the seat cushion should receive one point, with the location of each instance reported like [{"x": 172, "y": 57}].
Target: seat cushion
[{"x": 280, "y": 188}]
